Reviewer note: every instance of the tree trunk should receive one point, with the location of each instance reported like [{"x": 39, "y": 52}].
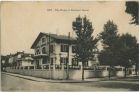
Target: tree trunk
[
  {"x": 125, "y": 73},
  {"x": 82, "y": 71}
]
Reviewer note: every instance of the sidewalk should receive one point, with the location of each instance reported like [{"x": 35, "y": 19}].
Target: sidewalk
[{"x": 55, "y": 81}]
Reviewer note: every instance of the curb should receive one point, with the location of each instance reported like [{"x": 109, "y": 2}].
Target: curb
[
  {"x": 52, "y": 81},
  {"x": 12, "y": 74}
]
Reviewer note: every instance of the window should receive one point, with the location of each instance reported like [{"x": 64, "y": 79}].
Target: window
[
  {"x": 52, "y": 61},
  {"x": 32, "y": 62},
  {"x": 44, "y": 61},
  {"x": 43, "y": 50},
  {"x": 19, "y": 56},
  {"x": 74, "y": 62},
  {"x": 64, "y": 48},
  {"x": 51, "y": 48},
  {"x": 63, "y": 60},
  {"x": 43, "y": 40},
  {"x": 73, "y": 49},
  {"x": 37, "y": 52}
]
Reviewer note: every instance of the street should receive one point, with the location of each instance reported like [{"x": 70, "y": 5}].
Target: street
[{"x": 12, "y": 83}]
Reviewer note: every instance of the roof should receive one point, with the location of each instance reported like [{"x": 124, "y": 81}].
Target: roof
[{"x": 55, "y": 36}]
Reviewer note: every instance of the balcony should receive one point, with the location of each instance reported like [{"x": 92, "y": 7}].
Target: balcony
[{"x": 40, "y": 55}]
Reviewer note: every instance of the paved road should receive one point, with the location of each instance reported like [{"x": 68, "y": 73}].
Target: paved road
[{"x": 12, "y": 83}]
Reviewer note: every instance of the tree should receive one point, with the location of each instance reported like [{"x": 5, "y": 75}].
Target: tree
[
  {"x": 85, "y": 42},
  {"x": 136, "y": 58},
  {"x": 132, "y": 7},
  {"x": 128, "y": 51},
  {"x": 109, "y": 39}
]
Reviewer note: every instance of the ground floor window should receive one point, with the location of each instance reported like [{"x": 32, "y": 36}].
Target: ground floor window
[
  {"x": 64, "y": 60},
  {"x": 32, "y": 61},
  {"x": 44, "y": 60},
  {"x": 74, "y": 62}
]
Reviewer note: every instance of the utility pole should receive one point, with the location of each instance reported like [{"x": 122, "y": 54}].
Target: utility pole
[{"x": 68, "y": 56}]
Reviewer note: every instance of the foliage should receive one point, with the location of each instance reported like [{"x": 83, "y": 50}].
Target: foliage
[
  {"x": 109, "y": 34},
  {"x": 85, "y": 42},
  {"x": 128, "y": 49},
  {"x": 109, "y": 41},
  {"x": 118, "y": 49},
  {"x": 132, "y": 7}
]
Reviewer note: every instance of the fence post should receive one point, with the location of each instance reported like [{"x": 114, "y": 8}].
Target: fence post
[
  {"x": 81, "y": 70},
  {"x": 34, "y": 67},
  {"x": 54, "y": 71},
  {"x": 50, "y": 70},
  {"x": 28, "y": 67},
  {"x": 42, "y": 67},
  {"x": 63, "y": 70}
]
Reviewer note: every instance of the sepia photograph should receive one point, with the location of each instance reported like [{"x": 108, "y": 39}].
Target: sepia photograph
[{"x": 69, "y": 46}]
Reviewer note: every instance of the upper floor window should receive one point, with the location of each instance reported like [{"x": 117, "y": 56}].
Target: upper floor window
[
  {"x": 52, "y": 60},
  {"x": 73, "y": 49},
  {"x": 19, "y": 56},
  {"x": 43, "y": 40},
  {"x": 37, "y": 51},
  {"x": 51, "y": 48},
  {"x": 64, "y": 48},
  {"x": 43, "y": 50}
]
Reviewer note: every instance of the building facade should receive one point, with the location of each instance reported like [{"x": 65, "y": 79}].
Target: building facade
[
  {"x": 19, "y": 60},
  {"x": 23, "y": 59},
  {"x": 60, "y": 49}
]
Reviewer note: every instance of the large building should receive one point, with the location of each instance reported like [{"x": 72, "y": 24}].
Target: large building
[{"x": 61, "y": 48}]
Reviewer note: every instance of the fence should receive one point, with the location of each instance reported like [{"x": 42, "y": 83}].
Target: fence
[{"x": 60, "y": 72}]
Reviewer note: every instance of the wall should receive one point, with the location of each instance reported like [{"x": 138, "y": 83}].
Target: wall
[
  {"x": 59, "y": 73},
  {"x": 39, "y": 73},
  {"x": 77, "y": 74},
  {"x": 62, "y": 74}
]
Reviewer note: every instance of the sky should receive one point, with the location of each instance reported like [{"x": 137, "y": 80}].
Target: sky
[{"x": 21, "y": 22}]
